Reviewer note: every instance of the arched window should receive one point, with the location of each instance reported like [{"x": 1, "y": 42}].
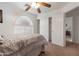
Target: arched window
[{"x": 23, "y": 25}]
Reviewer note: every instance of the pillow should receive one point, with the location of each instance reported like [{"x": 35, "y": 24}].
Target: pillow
[{"x": 1, "y": 38}]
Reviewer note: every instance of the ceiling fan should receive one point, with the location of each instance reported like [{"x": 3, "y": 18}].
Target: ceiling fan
[{"x": 37, "y": 5}]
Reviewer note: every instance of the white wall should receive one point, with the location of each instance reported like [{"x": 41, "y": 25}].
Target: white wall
[
  {"x": 69, "y": 7},
  {"x": 57, "y": 26},
  {"x": 44, "y": 29},
  {"x": 10, "y": 14},
  {"x": 6, "y": 26},
  {"x": 76, "y": 29}
]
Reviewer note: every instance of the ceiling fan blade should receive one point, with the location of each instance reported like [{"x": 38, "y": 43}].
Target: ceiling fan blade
[
  {"x": 27, "y": 8},
  {"x": 38, "y": 9},
  {"x": 44, "y": 4},
  {"x": 27, "y": 5}
]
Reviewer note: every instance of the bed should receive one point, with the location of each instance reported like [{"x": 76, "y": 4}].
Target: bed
[{"x": 31, "y": 45}]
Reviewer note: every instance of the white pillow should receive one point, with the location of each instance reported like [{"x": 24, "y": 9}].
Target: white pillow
[{"x": 1, "y": 38}]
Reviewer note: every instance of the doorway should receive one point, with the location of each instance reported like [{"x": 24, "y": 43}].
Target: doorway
[
  {"x": 72, "y": 27},
  {"x": 38, "y": 26},
  {"x": 50, "y": 29},
  {"x": 69, "y": 30}
]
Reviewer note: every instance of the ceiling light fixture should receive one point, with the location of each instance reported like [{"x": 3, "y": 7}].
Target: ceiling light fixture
[{"x": 35, "y": 5}]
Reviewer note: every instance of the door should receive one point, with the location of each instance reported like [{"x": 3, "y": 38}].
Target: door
[
  {"x": 50, "y": 29},
  {"x": 38, "y": 26}
]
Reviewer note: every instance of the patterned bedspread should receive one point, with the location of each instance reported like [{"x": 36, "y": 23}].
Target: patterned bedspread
[{"x": 23, "y": 45}]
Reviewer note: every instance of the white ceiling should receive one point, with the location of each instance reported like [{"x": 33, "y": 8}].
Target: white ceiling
[{"x": 55, "y": 5}]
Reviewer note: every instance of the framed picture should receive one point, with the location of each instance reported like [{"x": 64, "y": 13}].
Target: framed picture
[{"x": 1, "y": 16}]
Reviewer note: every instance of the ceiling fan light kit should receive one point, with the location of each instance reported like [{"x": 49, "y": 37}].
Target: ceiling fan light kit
[{"x": 35, "y": 5}]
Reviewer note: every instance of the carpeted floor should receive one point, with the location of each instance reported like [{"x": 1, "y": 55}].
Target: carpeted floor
[{"x": 72, "y": 49}]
